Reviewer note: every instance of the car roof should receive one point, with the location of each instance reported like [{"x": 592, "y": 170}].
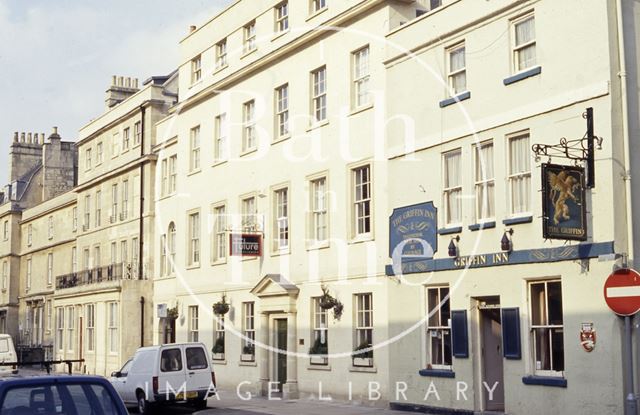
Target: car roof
[
  {"x": 43, "y": 380},
  {"x": 170, "y": 346}
]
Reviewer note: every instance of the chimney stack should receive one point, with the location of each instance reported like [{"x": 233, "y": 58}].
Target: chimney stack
[{"x": 121, "y": 88}]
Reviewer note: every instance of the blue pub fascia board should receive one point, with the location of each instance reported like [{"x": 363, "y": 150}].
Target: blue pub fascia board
[{"x": 528, "y": 256}]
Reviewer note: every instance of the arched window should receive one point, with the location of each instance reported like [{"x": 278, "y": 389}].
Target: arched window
[{"x": 171, "y": 266}]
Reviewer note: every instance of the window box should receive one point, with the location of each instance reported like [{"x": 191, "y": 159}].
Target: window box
[
  {"x": 244, "y": 357},
  {"x": 545, "y": 381},
  {"x": 363, "y": 361},
  {"x": 319, "y": 360},
  {"x": 455, "y": 99},
  {"x": 218, "y": 356},
  {"x": 437, "y": 373},
  {"x": 523, "y": 75}
]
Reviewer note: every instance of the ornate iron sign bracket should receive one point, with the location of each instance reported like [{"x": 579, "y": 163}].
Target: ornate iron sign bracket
[{"x": 582, "y": 149}]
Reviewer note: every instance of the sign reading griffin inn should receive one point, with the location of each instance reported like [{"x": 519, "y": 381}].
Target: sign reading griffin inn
[
  {"x": 563, "y": 202},
  {"x": 245, "y": 244},
  {"x": 414, "y": 230}
]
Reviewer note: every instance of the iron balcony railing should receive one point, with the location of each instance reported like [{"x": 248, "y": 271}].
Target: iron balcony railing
[{"x": 113, "y": 272}]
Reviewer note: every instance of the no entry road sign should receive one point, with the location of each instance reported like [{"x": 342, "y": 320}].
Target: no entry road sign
[{"x": 622, "y": 292}]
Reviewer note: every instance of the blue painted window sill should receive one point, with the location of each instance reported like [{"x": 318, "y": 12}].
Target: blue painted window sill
[
  {"x": 484, "y": 225},
  {"x": 455, "y": 99},
  {"x": 545, "y": 381},
  {"x": 449, "y": 231},
  {"x": 523, "y": 75},
  {"x": 517, "y": 221},
  {"x": 437, "y": 373}
]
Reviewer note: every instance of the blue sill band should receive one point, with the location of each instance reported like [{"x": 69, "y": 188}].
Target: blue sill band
[
  {"x": 484, "y": 225},
  {"x": 453, "y": 100},
  {"x": 437, "y": 373},
  {"x": 545, "y": 381},
  {"x": 449, "y": 231},
  {"x": 523, "y": 75},
  {"x": 517, "y": 221}
]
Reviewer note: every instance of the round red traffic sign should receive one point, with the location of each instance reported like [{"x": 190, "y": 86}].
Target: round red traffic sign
[{"x": 622, "y": 292}]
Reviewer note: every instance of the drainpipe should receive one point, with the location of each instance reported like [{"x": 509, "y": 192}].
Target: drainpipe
[
  {"x": 141, "y": 222},
  {"x": 141, "y": 321},
  {"x": 622, "y": 61}
]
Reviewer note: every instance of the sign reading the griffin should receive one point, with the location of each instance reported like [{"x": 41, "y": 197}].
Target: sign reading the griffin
[
  {"x": 413, "y": 231},
  {"x": 563, "y": 202}
]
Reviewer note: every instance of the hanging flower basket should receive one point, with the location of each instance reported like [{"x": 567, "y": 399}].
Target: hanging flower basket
[
  {"x": 221, "y": 307},
  {"x": 327, "y": 301},
  {"x": 172, "y": 313}
]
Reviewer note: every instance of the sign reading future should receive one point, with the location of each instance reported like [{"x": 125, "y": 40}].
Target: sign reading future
[
  {"x": 244, "y": 244},
  {"x": 413, "y": 231},
  {"x": 563, "y": 202}
]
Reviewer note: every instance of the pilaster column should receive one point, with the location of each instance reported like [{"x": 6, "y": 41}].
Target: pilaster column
[
  {"x": 290, "y": 389},
  {"x": 263, "y": 353}
]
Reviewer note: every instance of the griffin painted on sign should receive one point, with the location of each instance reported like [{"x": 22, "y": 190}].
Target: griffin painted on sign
[{"x": 563, "y": 187}]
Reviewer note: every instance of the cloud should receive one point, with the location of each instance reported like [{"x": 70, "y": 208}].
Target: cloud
[{"x": 57, "y": 58}]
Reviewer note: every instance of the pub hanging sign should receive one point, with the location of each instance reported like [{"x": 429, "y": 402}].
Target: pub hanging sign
[
  {"x": 563, "y": 202},
  {"x": 245, "y": 244}
]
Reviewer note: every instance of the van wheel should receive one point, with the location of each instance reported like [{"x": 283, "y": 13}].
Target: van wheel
[
  {"x": 200, "y": 404},
  {"x": 144, "y": 407}
]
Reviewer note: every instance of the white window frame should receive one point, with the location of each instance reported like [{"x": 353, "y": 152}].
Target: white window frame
[
  {"x": 319, "y": 212},
  {"x": 5, "y": 274},
  {"x": 437, "y": 329},
  {"x": 137, "y": 133},
  {"x": 519, "y": 48},
  {"x": 114, "y": 202},
  {"x": 319, "y": 323},
  {"x": 484, "y": 182},
  {"x": 50, "y": 227},
  {"x": 163, "y": 255},
  {"x": 319, "y": 94},
  {"x": 71, "y": 326},
  {"x": 219, "y": 252},
  {"x": 221, "y": 54},
  {"x": 194, "y": 251},
  {"x": 74, "y": 259},
  {"x": 282, "y": 17},
  {"x": 99, "y": 153},
  {"x": 29, "y": 234},
  {"x": 194, "y": 149},
  {"x": 126, "y": 139},
  {"x": 87, "y": 211},
  {"x": 173, "y": 174},
  {"x": 115, "y": 149},
  {"x": 546, "y": 326},
  {"x": 455, "y": 74},
  {"x": 249, "y": 208},
  {"x": 5, "y": 231},
  {"x": 125, "y": 199},
  {"x": 281, "y": 219},
  {"x": 50, "y": 268},
  {"x": 248, "y": 324},
  {"x": 196, "y": 69},
  {"x": 520, "y": 176},
  {"x": 74, "y": 219},
  {"x": 29, "y": 273},
  {"x": 98, "y": 213},
  {"x": 317, "y": 5},
  {"x": 90, "y": 326},
  {"x": 452, "y": 189},
  {"x": 87, "y": 159},
  {"x": 361, "y": 77},
  {"x": 282, "y": 111},
  {"x": 112, "y": 327},
  {"x": 164, "y": 177},
  {"x": 363, "y": 332},
  {"x": 249, "y": 37},
  {"x": 249, "y": 126},
  {"x": 60, "y": 328},
  {"x": 172, "y": 242},
  {"x": 362, "y": 200},
  {"x": 221, "y": 145},
  {"x": 193, "y": 332}
]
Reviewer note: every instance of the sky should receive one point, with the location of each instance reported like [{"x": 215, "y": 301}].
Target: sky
[{"x": 57, "y": 57}]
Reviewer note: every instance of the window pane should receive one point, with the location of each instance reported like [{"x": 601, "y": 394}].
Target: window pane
[
  {"x": 538, "y": 304},
  {"x": 171, "y": 360},
  {"x": 557, "y": 349},
  {"x": 555, "y": 303},
  {"x": 196, "y": 358}
]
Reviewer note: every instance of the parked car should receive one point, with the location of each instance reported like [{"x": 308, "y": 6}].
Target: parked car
[
  {"x": 7, "y": 354},
  {"x": 90, "y": 395},
  {"x": 159, "y": 375}
]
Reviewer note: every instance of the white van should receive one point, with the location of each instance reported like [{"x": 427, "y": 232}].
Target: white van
[
  {"x": 7, "y": 354},
  {"x": 166, "y": 374}
]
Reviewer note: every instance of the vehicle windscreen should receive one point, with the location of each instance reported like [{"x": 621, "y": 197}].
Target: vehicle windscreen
[
  {"x": 4, "y": 345},
  {"x": 62, "y": 399},
  {"x": 196, "y": 358}
]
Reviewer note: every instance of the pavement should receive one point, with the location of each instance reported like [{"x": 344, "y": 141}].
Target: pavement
[{"x": 230, "y": 404}]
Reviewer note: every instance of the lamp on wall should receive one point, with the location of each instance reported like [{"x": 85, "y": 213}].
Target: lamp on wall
[
  {"x": 453, "y": 246},
  {"x": 506, "y": 243}
]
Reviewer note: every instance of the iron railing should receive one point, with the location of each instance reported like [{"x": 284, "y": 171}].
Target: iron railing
[{"x": 113, "y": 272}]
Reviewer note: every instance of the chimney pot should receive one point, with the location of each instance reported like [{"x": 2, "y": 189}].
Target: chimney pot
[
  {"x": 15, "y": 137},
  {"x": 192, "y": 28},
  {"x": 113, "y": 80},
  {"x": 22, "y": 137},
  {"x": 121, "y": 81},
  {"x": 135, "y": 81},
  {"x": 55, "y": 130},
  {"x": 28, "y": 138}
]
